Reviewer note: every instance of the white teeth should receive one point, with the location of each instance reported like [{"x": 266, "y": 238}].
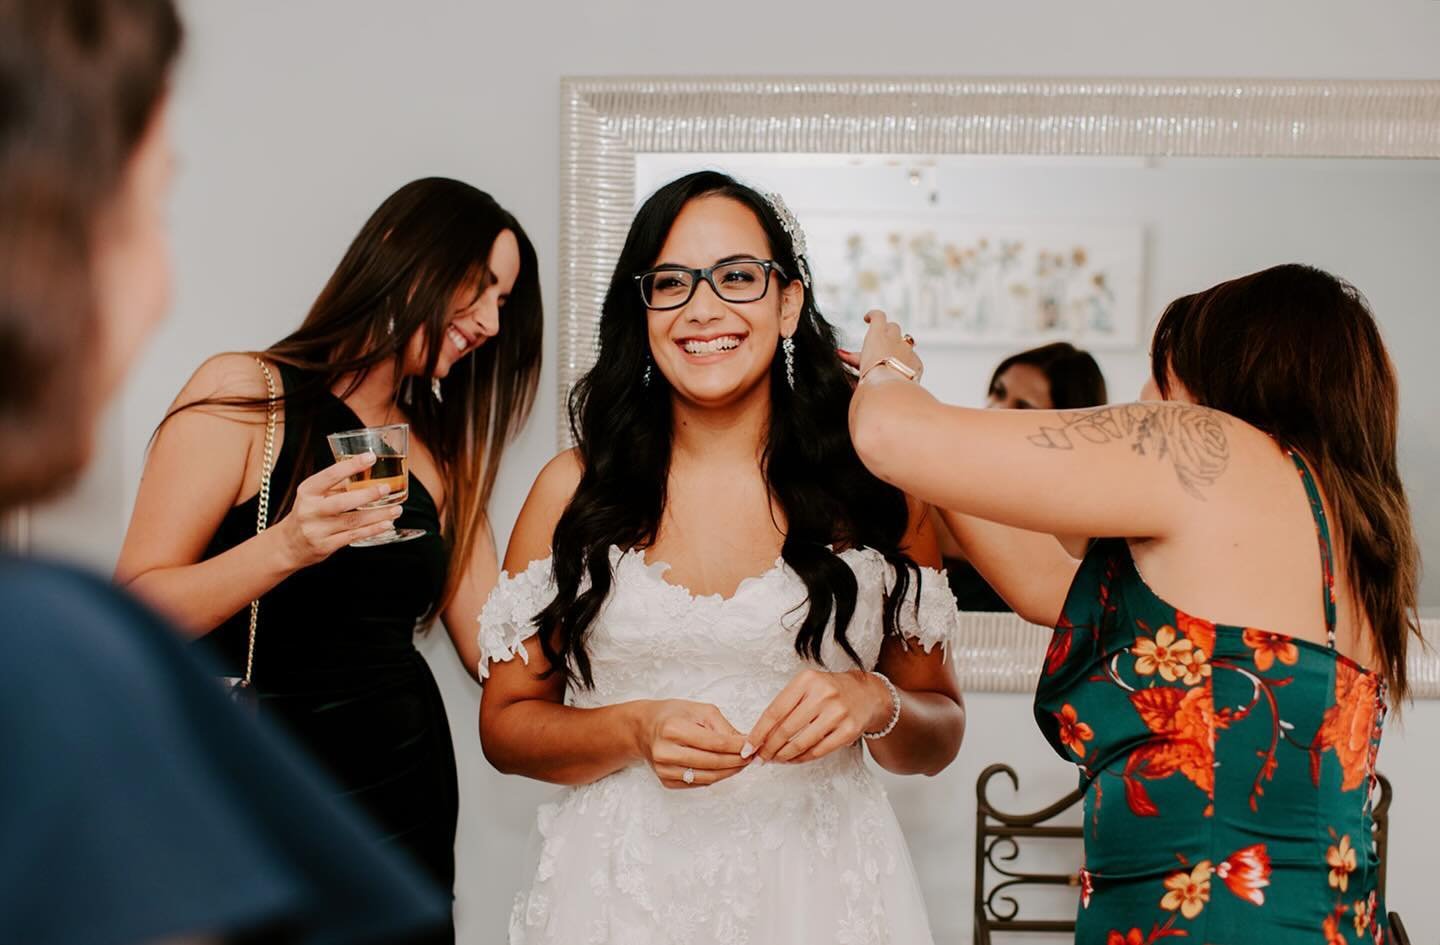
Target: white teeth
[
  {"x": 458, "y": 340},
  {"x": 713, "y": 346}
]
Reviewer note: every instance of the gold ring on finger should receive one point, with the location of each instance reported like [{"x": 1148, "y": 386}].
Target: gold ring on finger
[{"x": 910, "y": 340}]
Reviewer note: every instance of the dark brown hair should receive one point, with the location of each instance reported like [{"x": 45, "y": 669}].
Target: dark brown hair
[
  {"x": 80, "y": 81},
  {"x": 623, "y": 429},
  {"x": 1295, "y": 352},
  {"x": 1074, "y": 377},
  {"x": 399, "y": 277}
]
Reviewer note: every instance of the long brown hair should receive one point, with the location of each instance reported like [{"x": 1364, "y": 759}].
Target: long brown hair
[
  {"x": 399, "y": 277},
  {"x": 80, "y": 81},
  {"x": 1295, "y": 352}
]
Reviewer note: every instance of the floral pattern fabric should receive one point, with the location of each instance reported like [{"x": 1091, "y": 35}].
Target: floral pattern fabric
[{"x": 1228, "y": 770}]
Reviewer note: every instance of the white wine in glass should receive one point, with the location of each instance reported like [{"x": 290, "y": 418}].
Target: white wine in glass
[{"x": 391, "y": 446}]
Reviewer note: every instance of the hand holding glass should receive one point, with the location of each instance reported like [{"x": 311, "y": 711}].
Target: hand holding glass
[{"x": 391, "y": 446}]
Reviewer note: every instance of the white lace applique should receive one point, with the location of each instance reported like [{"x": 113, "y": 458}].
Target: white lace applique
[
  {"x": 507, "y": 619},
  {"x": 780, "y": 854},
  {"x": 938, "y": 623}
]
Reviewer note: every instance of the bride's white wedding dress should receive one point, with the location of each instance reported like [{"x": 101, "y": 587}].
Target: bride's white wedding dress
[{"x": 780, "y": 854}]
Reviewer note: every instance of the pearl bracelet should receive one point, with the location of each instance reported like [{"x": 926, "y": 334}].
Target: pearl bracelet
[{"x": 894, "y": 707}]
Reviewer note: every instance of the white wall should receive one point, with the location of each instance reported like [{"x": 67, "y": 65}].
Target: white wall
[{"x": 294, "y": 119}]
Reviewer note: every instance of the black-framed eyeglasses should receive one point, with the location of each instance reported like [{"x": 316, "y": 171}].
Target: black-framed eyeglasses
[{"x": 739, "y": 280}]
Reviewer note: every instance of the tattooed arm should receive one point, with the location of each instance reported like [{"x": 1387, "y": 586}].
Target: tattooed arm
[
  {"x": 1189, "y": 440},
  {"x": 1132, "y": 470}
]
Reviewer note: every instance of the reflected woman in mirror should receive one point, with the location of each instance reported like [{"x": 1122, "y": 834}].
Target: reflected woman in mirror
[
  {"x": 1222, "y": 666},
  {"x": 1057, "y": 376},
  {"x": 711, "y": 601}
]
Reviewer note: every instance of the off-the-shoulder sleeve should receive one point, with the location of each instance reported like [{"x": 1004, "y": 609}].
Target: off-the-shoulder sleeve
[
  {"x": 938, "y": 620},
  {"x": 508, "y": 617}
]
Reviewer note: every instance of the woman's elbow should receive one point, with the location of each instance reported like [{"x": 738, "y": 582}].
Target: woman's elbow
[
  {"x": 495, "y": 744},
  {"x": 873, "y": 438},
  {"x": 951, "y": 750},
  {"x": 500, "y": 758}
]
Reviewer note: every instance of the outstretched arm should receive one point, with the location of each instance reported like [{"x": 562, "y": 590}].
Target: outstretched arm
[{"x": 1142, "y": 470}]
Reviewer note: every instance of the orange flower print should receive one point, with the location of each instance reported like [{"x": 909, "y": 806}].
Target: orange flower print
[
  {"x": 1132, "y": 937},
  {"x": 1193, "y": 666},
  {"x": 1087, "y": 887},
  {"x": 1073, "y": 732},
  {"x": 1341, "y": 860},
  {"x": 1059, "y": 648},
  {"x": 1270, "y": 647},
  {"x": 1362, "y": 917},
  {"x": 1160, "y": 654},
  {"x": 1246, "y": 873},
  {"x": 1187, "y": 893},
  {"x": 1349, "y": 724},
  {"x": 1199, "y": 632},
  {"x": 1186, "y": 719},
  {"x": 1331, "y": 927}
]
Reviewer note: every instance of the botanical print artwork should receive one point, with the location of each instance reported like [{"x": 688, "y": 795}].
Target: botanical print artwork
[{"x": 981, "y": 283}]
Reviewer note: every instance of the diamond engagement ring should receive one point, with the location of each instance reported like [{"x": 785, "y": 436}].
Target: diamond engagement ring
[{"x": 689, "y": 776}]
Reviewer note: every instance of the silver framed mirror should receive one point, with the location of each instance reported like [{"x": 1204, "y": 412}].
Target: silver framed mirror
[{"x": 610, "y": 124}]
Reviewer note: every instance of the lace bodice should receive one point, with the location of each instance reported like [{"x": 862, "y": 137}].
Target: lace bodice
[
  {"x": 784, "y": 854},
  {"x": 656, "y": 640}
]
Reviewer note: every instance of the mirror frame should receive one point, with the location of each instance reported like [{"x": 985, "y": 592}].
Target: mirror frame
[{"x": 607, "y": 121}]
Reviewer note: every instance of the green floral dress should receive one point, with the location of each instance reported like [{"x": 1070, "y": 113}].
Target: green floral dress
[{"x": 1228, "y": 770}]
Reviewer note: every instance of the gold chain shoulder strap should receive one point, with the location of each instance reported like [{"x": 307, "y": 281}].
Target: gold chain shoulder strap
[{"x": 262, "y": 515}]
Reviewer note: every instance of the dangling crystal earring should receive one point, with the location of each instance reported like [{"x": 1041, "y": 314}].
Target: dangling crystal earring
[
  {"x": 435, "y": 389},
  {"x": 390, "y": 326},
  {"x": 788, "y": 346},
  {"x": 645, "y": 378}
]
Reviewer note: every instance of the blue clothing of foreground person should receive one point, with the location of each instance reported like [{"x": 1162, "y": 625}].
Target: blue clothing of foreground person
[{"x": 138, "y": 805}]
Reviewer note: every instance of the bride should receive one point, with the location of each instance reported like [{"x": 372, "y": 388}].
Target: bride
[{"x": 712, "y": 601}]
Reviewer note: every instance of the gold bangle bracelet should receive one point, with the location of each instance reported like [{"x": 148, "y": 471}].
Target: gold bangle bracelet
[{"x": 895, "y": 364}]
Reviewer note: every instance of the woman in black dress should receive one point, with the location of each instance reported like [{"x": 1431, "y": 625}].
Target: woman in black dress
[{"x": 433, "y": 318}]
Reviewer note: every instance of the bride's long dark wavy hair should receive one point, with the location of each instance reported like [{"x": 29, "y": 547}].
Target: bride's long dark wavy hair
[{"x": 622, "y": 429}]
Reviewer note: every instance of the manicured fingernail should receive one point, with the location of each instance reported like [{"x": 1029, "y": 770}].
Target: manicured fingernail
[
  {"x": 384, "y": 488},
  {"x": 746, "y": 750},
  {"x": 367, "y": 457},
  {"x": 395, "y": 511}
]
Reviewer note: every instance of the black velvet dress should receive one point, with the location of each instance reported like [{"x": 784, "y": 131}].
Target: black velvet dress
[{"x": 336, "y": 663}]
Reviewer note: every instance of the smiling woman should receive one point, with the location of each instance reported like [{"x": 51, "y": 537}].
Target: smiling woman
[
  {"x": 440, "y": 287},
  {"x": 713, "y": 601},
  {"x": 727, "y": 328}
]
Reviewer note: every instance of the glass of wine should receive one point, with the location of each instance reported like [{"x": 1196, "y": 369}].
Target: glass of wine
[{"x": 391, "y": 446}]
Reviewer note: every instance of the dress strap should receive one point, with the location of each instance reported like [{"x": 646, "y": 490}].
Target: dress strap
[{"x": 1327, "y": 555}]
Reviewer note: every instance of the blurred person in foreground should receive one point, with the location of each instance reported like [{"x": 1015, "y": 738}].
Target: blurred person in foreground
[{"x": 136, "y": 804}]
